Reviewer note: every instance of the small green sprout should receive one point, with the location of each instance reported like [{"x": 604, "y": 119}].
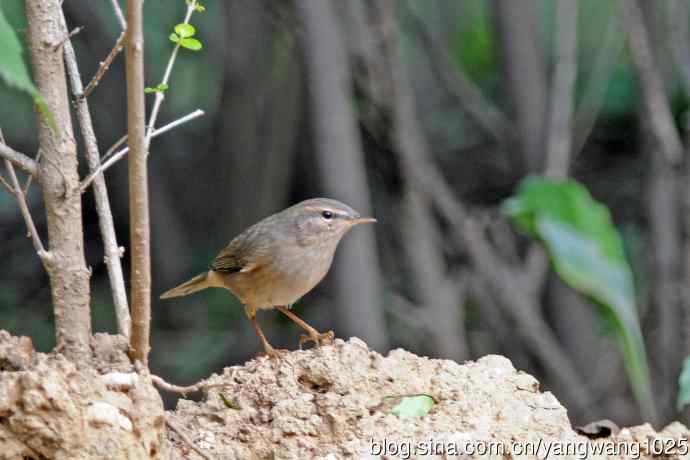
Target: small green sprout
[
  {"x": 160, "y": 88},
  {"x": 183, "y": 36}
]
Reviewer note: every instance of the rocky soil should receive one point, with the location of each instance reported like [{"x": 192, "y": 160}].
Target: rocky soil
[{"x": 326, "y": 403}]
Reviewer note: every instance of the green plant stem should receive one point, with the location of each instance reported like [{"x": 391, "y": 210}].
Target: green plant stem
[{"x": 160, "y": 96}]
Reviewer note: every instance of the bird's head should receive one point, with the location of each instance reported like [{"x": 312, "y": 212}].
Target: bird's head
[{"x": 324, "y": 221}]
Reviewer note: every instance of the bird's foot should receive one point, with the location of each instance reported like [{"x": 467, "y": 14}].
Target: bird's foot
[
  {"x": 273, "y": 353},
  {"x": 319, "y": 339}
]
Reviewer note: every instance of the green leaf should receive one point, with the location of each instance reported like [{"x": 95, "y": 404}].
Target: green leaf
[
  {"x": 587, "y": 253},
  {"x": 200, "y": 8},
  {"x": 410, "y": 406},
  {"x": 174, "y": 38},
  {"x": 230, "y": 404},
  {"x": 160, "y": 88},
  {"x": 684, "y": 385},
  {"x": 191, "y": 44},
  {"x": 185, "y": 30},
  {"x": 13, "y": 69}
]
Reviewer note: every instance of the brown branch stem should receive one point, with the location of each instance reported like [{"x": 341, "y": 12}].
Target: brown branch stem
[
  {"x": 182, "y": 390},
  {"x": 138, "y": 185},
  {"x": 103, "y": 68}
]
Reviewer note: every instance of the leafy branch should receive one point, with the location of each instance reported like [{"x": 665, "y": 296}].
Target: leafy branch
[{"x": 183, "y": 37}]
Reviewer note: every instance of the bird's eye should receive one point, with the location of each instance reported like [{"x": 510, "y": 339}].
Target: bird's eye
[{"x": 328, "y": 215}]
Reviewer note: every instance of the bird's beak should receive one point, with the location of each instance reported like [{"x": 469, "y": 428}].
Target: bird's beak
[{"x": 362, "y": 220}]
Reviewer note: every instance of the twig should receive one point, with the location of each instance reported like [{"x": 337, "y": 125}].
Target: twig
[
  {"x": 105, "y": 216},
  {"x": 560, "y": 133},
  {"x": 184, "y": 391},
  {"x": 118, "y": 12},
  {"x": 24, "y": 209},
  {"x": 30, "y": 177},
  {"x": 105, "y": 65},
  {"x": 186, "y": 439},
  {"x": 71, "y": 34},
  {"x": 20, "y": 160},
  {"x": 656, "y": 105},
  {"x": 6, "y": 184},
  {"x": 120, "y": 154},
  {"x": 160, "y": 95},
  {"x": 114, "y": 147}
]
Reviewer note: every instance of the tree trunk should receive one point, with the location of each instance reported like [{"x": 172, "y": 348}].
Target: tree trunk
[
  {"x": 69, "y": 277},
  {"x": 341, "y": 165}
]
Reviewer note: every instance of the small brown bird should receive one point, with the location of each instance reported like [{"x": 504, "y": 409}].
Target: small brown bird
[{"x": 278, "y": 260}]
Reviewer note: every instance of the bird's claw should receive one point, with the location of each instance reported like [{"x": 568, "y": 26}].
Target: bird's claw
[
  {"x": 325, "y": 338},
  {"x": 272, "y": 353}
]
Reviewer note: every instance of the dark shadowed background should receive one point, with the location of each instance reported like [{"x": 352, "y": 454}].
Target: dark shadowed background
[{"x": 372, "y": 103}]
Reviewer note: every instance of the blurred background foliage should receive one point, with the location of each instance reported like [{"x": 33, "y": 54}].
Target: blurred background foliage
[{"x": 261, "y": 147}]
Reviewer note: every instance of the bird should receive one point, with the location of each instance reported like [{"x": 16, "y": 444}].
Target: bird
[{"x": 278, "y": 260}]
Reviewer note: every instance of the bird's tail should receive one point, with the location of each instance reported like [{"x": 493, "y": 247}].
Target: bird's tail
[{"x": 195, "y": 284}]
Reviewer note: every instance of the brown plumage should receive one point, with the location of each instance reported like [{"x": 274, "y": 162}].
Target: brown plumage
[{"x": 278, "y": 260}]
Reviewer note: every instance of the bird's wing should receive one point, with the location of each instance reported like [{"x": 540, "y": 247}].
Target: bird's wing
[
  {"x": 227, "y": 261},
  {"x": 242, "y": 254}
]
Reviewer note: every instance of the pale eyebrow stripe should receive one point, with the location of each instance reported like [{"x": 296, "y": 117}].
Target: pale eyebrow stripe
[{"x": 324, "y": 208}]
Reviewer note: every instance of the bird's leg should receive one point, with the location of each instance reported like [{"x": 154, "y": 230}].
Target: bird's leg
[
  {"x": 251, "y": 314},
  {"x": 313, "y": 335}
]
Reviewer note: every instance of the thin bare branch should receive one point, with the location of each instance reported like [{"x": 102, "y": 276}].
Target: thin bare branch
[
  {"x": 20, "y": 160},
  {"x": 113, "y": 148},
  {"x": 118, "y": 13},
  {"x": 160, "y": 95},
  {"x": 16, "y": 190},
  {"x": 111, "y": 160},
  {"x": 657, "y": 107},
  {"x": 172, "y": 388},
  {"x": 69, "y": 36},
  {"x": 30, "y": 177},
  {"x": 26, "y": 214},
  {"x": 560, "y": 134},
  {"x": 6, "y": 184},
  {"x": 105, "y": 217},
  {"x": 105, "y": 65}
]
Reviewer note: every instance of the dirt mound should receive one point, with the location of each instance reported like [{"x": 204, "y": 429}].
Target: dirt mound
[
  {"x": 326, "y": 403},
  {"x": 52, "y": 409}
]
